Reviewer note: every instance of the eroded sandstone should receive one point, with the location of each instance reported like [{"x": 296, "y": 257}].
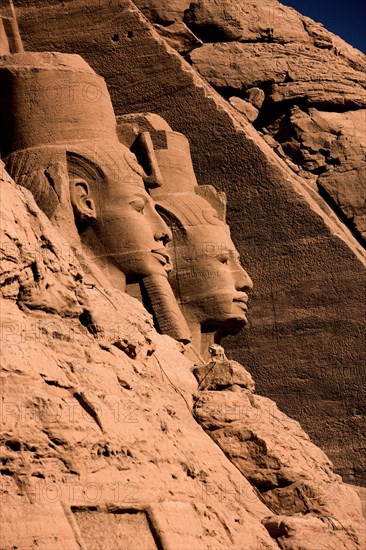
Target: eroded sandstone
[
  {"x": 90, "y": 432},
  {"x": 91, "y": 329},
  {"x": 294, "y": 61},
  {"x": 85, "y": 426},
  {"x": 278, "y": 458}
]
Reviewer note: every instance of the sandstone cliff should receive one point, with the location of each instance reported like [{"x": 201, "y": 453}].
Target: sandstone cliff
[
  {"x": 100, "y": 447},
  {"x": 305, "y": 346},
  {"x": 106, "y": 430},
  {"x": 301, "y": 86}
]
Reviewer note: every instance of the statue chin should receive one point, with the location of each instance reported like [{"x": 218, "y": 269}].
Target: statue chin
[
  {"x": 229, "y": 323},
  {"x": 231, "y": 326},
  {"x": 142, "y": 266}
]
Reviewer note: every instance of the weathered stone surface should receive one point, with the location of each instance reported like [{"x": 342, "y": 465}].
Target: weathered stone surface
[
  {"x": 298, "y": 71},
  {"x": 34, "y": 525},
  {"x": 269, "y": 22},
  {"x": 163, "y": 12},
  {"x": 323, "y": 94},
  {"x": 238, "y": 66},
  {"x": 322, "y": 38},
  {"x": 168, "y": 19},
  {"x": 307, "y": 533},
  {"x": 249, "y": 21},
  {"x": 246, "y": 423},
  {"x": 4, "y": 42},
  {"x": 179, "y": 37},
  {"x": 256, "y": 96},
  {"x": 348, "y": 191},
  {"x": 223, "y": 375},
  {"x": 247, "y": 427},
  {"x": 332, "y": 146},
  {"x": 87, "y": 427},
  {"x": 307, "y": 309},
  {"x": 306, "y": 497},
  {"x": 362, "y": 494},
  {"x": 245, "y": 21},
  {"x": 37, "y": 271},
  {"x": 244, "y": 107},
  {"x": 115, "y": 530}
]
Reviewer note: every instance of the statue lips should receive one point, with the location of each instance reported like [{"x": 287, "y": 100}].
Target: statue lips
[
  {"x": 241, "y": 300},
  {"x": 163, "y": 257}
]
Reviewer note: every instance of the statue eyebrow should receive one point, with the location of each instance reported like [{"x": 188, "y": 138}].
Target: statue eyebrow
[{"x": 139, "y": 196}]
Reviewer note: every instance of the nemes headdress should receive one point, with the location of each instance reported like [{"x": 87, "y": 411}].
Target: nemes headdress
[
  {"x": 52, "y": 105},
  {"x": 179, "y": 192}
]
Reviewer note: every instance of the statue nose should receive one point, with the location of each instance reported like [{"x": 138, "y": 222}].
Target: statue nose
[
  {"x": 162, "y": 231},
  {"x": 242, "y": 281},
  {"x": 164, "y": 236}
]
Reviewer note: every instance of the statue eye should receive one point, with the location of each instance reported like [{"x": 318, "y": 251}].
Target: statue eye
[
  {"x": 138, "y": 205},
  {"x": 223, "y": 258}
]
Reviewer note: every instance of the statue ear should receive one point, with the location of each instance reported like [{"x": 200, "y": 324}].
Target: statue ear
[{"x": 81, "y": 200}]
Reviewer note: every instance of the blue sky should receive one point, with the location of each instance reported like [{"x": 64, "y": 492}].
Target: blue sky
[{"x": 345, "y": 18}]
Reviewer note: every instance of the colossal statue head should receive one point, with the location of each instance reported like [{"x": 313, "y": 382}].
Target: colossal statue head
[
  {"x": 207, "y": 279},
  {"x": 59, "y": 139}
]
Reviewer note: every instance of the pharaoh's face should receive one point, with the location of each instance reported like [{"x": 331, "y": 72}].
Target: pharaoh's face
[
  {"x": 207, "y": 279},
  {"x": 130, "y": 233}
]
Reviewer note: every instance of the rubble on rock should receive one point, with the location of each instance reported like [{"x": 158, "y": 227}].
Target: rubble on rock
[
  {"x": 294, "y": 477},
  {"x": 295, "y": 62}
]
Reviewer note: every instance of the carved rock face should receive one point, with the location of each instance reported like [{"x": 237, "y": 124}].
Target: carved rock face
[
  {"x": 125, "y": 228},
  {"x": 207, "y": 278},
  {"x": 132, "y": 232}
]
